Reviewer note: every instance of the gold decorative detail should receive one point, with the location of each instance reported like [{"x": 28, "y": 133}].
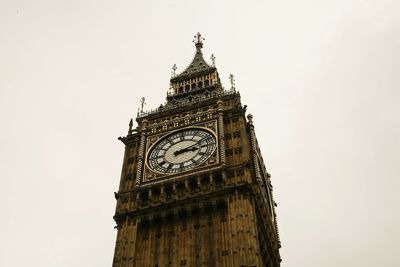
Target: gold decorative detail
[{"x": 182, "y": 119}]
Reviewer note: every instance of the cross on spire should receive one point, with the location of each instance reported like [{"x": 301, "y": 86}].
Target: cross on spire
[{"x": 198, "y": 40}]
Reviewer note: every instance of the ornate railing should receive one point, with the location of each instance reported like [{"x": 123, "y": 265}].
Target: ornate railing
[{"x": 170, "y": 106}]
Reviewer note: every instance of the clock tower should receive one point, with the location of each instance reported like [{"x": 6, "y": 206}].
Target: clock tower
[{"x": 194, "y": 190}]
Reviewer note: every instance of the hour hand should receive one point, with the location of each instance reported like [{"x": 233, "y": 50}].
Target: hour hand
[{"x": 183, "y": 150}]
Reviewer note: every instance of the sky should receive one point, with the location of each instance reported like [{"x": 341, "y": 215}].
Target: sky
[{"x": 320, "y": 77}]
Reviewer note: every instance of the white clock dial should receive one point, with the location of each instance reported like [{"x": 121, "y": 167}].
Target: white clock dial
[{"x": 181, "y": 151}]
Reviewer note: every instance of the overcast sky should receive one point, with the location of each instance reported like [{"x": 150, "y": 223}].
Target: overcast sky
[{"x": 320, "y": 77}]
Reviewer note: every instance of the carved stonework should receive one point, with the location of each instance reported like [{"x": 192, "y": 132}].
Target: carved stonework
[
  {"x": 194, "y": 190},
  {"x": 181, "y": 120}
]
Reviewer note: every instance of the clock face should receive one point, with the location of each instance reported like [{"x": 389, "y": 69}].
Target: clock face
[{"x": 181, "y": 151}]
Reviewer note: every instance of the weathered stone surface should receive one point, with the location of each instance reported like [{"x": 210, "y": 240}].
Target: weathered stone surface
[{"x": 220, "y": 213}]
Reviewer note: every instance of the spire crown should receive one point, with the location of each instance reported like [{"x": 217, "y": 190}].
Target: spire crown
[
  {"x": 197, "y": 78},
  {"x": 198, "y": 64}
]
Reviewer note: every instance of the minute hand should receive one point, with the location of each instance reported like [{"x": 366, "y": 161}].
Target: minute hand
[
  {"x": 197, "y": 143},
  {"x": 189, "y": 148}
]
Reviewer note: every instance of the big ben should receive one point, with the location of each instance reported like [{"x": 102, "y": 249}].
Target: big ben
[{"x": 194, "y": 190}]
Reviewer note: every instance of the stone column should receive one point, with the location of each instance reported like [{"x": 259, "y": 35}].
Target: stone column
[
  {"x": 221, "y": 137},
  {"x": 141, "y": 152}
]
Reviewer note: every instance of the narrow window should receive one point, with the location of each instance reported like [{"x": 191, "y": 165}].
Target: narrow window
[
  {"x": 210, "y": 242},
  {"x": 157, "y": 256},
  {"x": 170, "y": 248},
  {"x": 197, "y": 233}
]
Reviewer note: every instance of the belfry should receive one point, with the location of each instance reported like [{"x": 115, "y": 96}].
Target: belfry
[{"x": 194, "y": 190}]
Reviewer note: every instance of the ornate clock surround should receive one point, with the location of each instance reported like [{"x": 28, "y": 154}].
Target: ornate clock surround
[{"x": 150, "y": 176}]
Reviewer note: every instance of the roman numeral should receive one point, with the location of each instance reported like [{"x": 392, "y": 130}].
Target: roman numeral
[
  {"x": 207, "y": 139},
  {"x": 156, "y": 157}
]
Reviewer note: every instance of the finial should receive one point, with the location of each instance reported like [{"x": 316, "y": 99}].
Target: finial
[
  {"x": 213, "y": 60},
  {"x": 232, "y": 79},
  {"x": 174, "y": 68},
  {"x": 130, "y": 126},
  {"x": 198, "y": 41},
  {"x": 142, "y": 104},
  {"x": 250, "y": 118}
]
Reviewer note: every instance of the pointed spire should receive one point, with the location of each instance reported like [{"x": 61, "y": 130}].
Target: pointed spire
[{"x": 198, "y": 63}]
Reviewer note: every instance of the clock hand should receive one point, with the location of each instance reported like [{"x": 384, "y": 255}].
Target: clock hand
[
  {"x": 197, "y": 143},
  {"x": 190, "y": 148},
  {"x": 183, "y": 150}
]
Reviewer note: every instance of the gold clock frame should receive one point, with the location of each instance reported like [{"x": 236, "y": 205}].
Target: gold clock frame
[{"x": 159, "y": 175}]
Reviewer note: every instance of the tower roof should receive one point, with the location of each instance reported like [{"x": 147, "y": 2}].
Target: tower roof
[{"x": 198, "y": 66}]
